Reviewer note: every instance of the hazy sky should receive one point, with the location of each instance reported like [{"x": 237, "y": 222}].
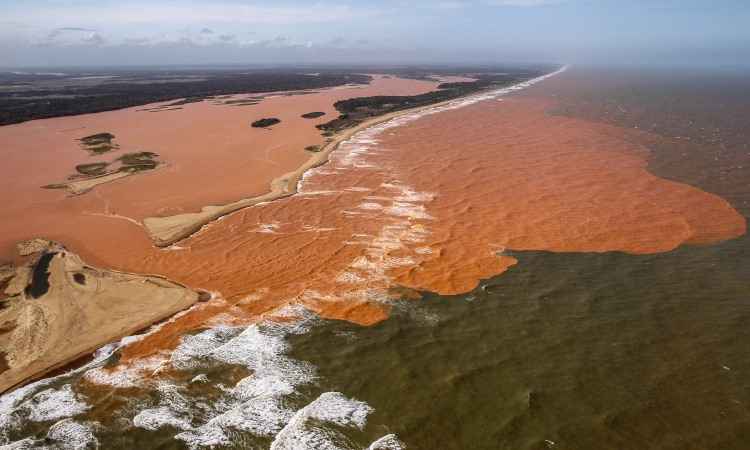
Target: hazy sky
[{"x": 137, "y": 32}]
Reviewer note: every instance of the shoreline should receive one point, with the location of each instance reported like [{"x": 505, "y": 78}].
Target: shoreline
[
  {"x": 169, "y": 230},
  {"x": 116, "y": 303},
  {"x": 176, "y": 228}
]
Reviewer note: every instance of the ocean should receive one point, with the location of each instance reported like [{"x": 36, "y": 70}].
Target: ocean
[{"x": 562, "y": 267}]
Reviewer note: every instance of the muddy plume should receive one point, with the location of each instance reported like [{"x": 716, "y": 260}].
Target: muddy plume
[
  {"x": 431, "y": 201},
  {"x": 436, "y": 204}
]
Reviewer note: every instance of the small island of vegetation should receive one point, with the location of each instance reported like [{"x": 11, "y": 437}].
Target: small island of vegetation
[
  {"x": 129, "y": 162},
  {"x": 138, "y": 161},
  {"x": 99, "y": 143},
  {"x": 90, "y": 175},
  {"x": 313, "y": 115},
  {"x": 267, "y": 122},
  {"x": 92, "y": 169}
]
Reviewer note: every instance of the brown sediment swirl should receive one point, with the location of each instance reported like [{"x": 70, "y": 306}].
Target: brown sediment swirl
[{"x": 433, "y": 205}]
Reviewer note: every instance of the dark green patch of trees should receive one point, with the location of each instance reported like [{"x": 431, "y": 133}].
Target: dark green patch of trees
[
  {"x": 264, "y": 123},
  {"x": 63, "y": 97}
]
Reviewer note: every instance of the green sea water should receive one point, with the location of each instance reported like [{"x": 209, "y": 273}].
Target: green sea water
[{"x": 568, "y": 351}]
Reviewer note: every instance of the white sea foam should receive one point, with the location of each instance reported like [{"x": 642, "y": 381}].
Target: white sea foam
[
  {"x": 352, "y": 151},
  {"x": 23, "y": 444},
  {"x": 387, "y": 442},
  {"x": 370, "y": 206},
  {"x": 349, "y": 277},
  {"x": 267, "y": 227},
  {"x": 305, "y": 432},
  {"x": 201, "y": 378},
  {"x": 72, "y": 435},
  {"x": 10, "y": 409},
  {"x": 54, "y": 404},
  {"x": 403, "y": 214},
  {"x": 44, "y": 406},
  {"x": 358, "y": 144},
  {"x": 130, "y": 375},
  {"x": 256, "y": 404},
  {"x": 154, "y": 418}
]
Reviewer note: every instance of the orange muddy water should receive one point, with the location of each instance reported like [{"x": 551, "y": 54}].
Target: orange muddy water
[
  {"x": 429, "y": 205},
  {"x": 212, "y": 156}
]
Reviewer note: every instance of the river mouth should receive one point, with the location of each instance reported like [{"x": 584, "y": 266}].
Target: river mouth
[{"x": 382, "y": 321}]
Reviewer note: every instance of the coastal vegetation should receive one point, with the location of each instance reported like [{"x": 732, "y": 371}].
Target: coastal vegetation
[
  {"x": 129, "y": 162},
  {"x": 26, "y": 97},
  {"x": 313, "y": 148},
  {"x": 92, "y": 169},
  {"x": 90, "y": 175},
  {"x": 356, "y": 110},
  {"x": 265, "y": 123},
  {"x": 313, "y": 115},
  {"x": 243, "y": 101},
  {"x": 137, "y": 161}
]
